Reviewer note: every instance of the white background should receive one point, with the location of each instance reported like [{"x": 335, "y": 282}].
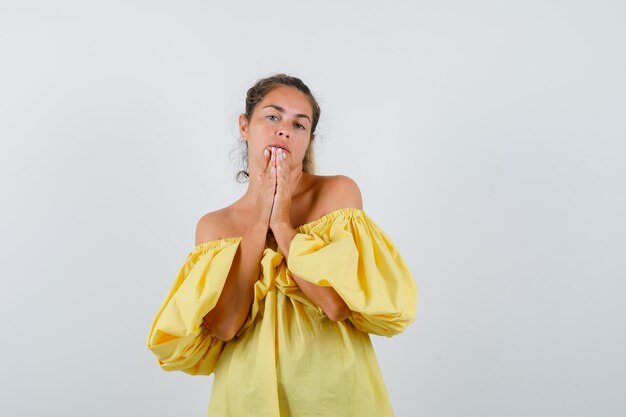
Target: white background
[{"x": 487, "y": 137}]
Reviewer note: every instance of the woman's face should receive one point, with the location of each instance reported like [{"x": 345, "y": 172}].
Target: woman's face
[{"x": 283, "y": 118}]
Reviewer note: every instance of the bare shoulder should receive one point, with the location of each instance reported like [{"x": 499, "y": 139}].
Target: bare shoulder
[
  {"x": 340, "y": 191},
  {"x": 210, "y": 226}
]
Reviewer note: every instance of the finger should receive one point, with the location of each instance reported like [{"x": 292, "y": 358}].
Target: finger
[
  {"x": 284, "y": 167},
  {"x": 279, "y": 177},
  {"x": 281, "y": 163},
  {"x": 273, "y": 167},
  {"x": 285, "y": 161},
  {"x": 266, "y": 162},
  {"x": 270, "y": 162},
  {"x": 267, "y": 153},
  {"x": 266, "y": 158}
]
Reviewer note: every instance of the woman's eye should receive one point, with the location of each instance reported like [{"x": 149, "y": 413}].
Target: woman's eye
[{"x": 274, "y": 117}]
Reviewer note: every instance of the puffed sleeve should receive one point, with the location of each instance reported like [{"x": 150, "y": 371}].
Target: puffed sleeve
[
  {"x": 177, "y": 337},
  {"x": 348, "y": 251}
]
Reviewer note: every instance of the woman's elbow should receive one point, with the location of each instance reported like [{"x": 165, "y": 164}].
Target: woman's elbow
[
  {"x": 226, "y": 337},
  {"x": 338, "y": 311},
  {"x": 220, "y": 330}
]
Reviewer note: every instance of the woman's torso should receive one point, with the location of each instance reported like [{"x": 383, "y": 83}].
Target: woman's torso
[{"x": 293, "y": 360}]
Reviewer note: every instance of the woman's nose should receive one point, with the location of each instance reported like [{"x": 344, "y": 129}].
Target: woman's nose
[{"x": 283, "y": 131}]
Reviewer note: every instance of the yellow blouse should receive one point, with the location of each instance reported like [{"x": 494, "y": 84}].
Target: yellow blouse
[{"x": 289, "y": 358}]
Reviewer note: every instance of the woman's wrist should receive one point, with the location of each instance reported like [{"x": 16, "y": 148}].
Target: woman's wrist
[
  {"x": 283, "y": 233},
  {"x": 257, "y": 229}
]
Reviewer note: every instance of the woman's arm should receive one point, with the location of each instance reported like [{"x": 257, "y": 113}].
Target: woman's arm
[
  {"x": 340, "y": 191},
  {"x": 325, "y": 297},
  {"x": 233, "y": 306}
]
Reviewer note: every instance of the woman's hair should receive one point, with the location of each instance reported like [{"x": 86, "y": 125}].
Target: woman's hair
[{"x": 255, "y": 95}]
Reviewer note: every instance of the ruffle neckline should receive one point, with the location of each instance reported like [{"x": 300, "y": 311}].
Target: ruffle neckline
[{"x": 347, "y": 212}]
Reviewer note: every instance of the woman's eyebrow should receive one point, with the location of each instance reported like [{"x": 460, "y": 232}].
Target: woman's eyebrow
[{"x": 280, "y": 109}]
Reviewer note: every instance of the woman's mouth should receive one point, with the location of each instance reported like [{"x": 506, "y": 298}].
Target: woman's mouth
[{"x": 279, "y": 147}]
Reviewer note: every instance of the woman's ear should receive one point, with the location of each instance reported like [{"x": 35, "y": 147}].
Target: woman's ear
[{"x": 243, "y": 126}]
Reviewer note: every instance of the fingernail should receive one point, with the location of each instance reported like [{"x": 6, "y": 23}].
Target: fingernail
[{"x": 266, "y": 152}]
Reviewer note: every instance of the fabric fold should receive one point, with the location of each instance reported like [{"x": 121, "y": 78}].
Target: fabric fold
[
  {"x": 177, "y": 337},
  {"x": 270, "y": 262},
  {"x": 349, "y": 252}
]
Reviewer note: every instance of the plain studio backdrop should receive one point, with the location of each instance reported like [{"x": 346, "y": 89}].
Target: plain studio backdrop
[{"x": 487, "y": 137}]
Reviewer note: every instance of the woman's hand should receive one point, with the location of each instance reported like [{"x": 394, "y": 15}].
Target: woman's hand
[
  {"x": 266, "y": 190},
  {"x": 282, "y": 199}
]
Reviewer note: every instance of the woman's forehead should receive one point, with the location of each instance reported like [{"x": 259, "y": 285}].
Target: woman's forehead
[{"x": 287, "y": 98}]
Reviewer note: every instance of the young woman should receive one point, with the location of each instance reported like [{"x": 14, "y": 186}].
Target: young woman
[{"x": 283, "y": 287}]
